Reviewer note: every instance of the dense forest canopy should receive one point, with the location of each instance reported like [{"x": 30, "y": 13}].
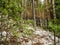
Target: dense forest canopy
[{"x": 12, "y": 8}]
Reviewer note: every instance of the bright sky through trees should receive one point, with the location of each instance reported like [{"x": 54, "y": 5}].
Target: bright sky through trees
[{"x": 42, "y": 1}]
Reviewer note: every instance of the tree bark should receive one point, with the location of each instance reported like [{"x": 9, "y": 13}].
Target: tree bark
[
  {"x": 53, "y": 2},
  {"x": 33, "y": 13},
  {"x": 1, "y": 26}
]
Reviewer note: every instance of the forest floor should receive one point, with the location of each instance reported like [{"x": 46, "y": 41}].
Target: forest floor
[{"x": 40, "y": 37}]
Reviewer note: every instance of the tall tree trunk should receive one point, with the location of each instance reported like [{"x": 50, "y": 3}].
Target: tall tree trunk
[
  {"x": 25, "y": 1},
  {"x": 53, "y": 2},
  {"x": 1, "y": 26},
  {"x": 21, "y": 14},
  {"x": 33, "y": 13}
]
